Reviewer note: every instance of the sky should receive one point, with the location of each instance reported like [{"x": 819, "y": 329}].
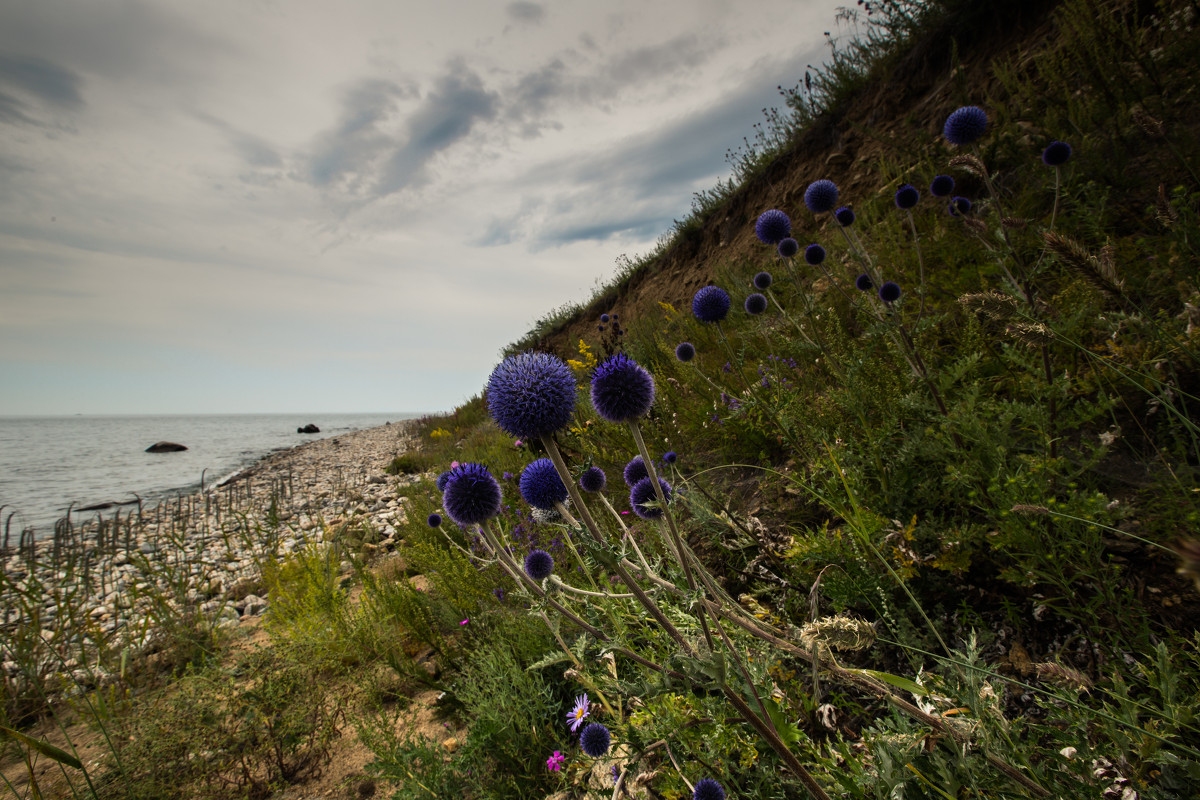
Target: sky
[{"x": 298, "y": 205}]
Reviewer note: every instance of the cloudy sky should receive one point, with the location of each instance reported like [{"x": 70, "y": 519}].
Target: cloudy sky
[{"x": 299, "y": 205}]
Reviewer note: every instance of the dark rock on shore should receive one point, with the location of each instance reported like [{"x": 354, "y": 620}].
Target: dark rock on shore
[
  {"x": 309, "y": 428},
  {"x": 165, "y": 447}
]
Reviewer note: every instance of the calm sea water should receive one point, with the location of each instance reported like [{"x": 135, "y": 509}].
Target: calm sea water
[{"x": 49, "y": 463}]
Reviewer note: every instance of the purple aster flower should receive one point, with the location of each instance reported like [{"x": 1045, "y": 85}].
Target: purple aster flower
[
  {"x": 531, "y": 394},
  {"x": 772, "y": 226},
  {"x": 472, "y": 495},
  {"x": 634, "y": 471},
  {"x": 863, "y": 283},
  {"x": 622, "y": 389},
  {"x": 1056, "y": 154},
  {"x": 593, "y": 479},
  {"x": 907, "y": 197},
  {"x": 814, "y": 254},
  {"x": 889, "y": 292},
  {"x": 965, "y": 125},
  {"x": 577, "y": 714},
  {"x": 788, "y": 248},
  {"x": 540, "y": 485},
  {"x": 434, "y": 520},
  {"x": 595, "y": 740},
  {"x": 941, "y": 186},
  {"x": 708, "y": 789},
  {"x": 763, "y": 280},
  {"x": 685, "y": 351},
  {"x": 711, "y": 304},
  {"x": 844, "y": 216},
  {"x": 821, "y": 196},
  {"x": 539, "y": 564},
  {"x": 756, "y": 304},
  {"x": 642, "y": 493},
  {"x": 441, "y": 480},
  {"x": 670, "y": 457},
  {"x": 959, "y": 206}
]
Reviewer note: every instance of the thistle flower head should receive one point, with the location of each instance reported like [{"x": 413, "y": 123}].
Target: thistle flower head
[
  {"x": 711, "y": 304},
  {"x": 634, "y": 471},
  {"x": 539, "y": 564},
  {"x": 763, "y": 280},
  {"x": 814, "y": 254},
  {"x": 889, "y": 292},
  {"x": 965, "y": 125},
  {"x": 959, "y": 206},
  {"x": 604, "y": 318},
  {"x": 821, "y": 196},
  {"x": 844, "y": 216},
  {"x": 772, "y": 226},
  {"x": 472, "y": 495},
  {"x": 907, "y": 197},
  {"x": 756, "y": 303},
  {"x": 531, "y": 394},
  {"x": 441, "y": 480},
  {"x": 1056, "y": 154},
  {"x": 622, "y": 389},
  {"x": 595, "y": 740},
  {"x": 540, "y": 485},
  {"x": 685, "y": 351},
  {"x": 434, "y": 520},
  {"x": 670, "y": 457},
  {"x": 941, "y": 186},
  {"x": 863, "y": 283},
  {"x": 643, "y": 493},
  {"x": 593, "y": 479},
  {"x": 788, "y": 248},
  {"x": 708, "y": 789}
]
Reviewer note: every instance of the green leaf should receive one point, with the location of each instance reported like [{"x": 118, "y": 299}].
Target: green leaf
[
  {"x": 895, "y": 680},
  {"x": 787, "y": 731},
  {"x": 45, "y": 748}
]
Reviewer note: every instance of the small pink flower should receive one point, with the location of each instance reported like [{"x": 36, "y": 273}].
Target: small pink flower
[
  {"x": 554, "y": 763},
  {"x": 517, "y": 443},
  {"x": 465, "y": 621},
  {"x": 453, "y": 464}
]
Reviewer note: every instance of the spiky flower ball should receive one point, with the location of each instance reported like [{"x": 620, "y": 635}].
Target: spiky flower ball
[
  {"x": 844, "y": 216},
  {"x": 763, "y": 280},
  {"x": 434, "y": 520},
  {"x": 708, "y": 789},
  {"x": 441, "y": 480},
  {"x": 772, "y": 226},
  {"x": 1056, "y": 154},
  {"x": 863, "y": 283},
  {"x": 634, "y": 471},
  {"x": 685, "y": 351},
  {"x": 593, "y": 479},
  {"x": 756, "y": 304},
  {"x": 472, "y": 495},
  {"x": 670, "y": 457},
  {"x": 788, "y": 248},
  {"x": 711, "y": 304},
  {"x": 604, "y": 318},
  {"x": 889, "y": 292},
  {"x": 907, "y": 197},
  {"x": 595, "y": 740},
  {"x": 941, "y": 186},
  {"x": 622, "y": 389},
  {"x": 959, "y": 206},
  {"x": 540, "y": 485},
  {"x": 531, "y": 394},
  {"x": 814, "y": 254},
  {"x": 965, "y": 125},
  {"x": 643, "y": 493},
  {"x": 821, "y": 196},
  {"x": 539, "y": 564}
]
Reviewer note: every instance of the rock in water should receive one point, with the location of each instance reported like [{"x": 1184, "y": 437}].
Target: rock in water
[
  {"x": 309, "y": 428},
  {"x": 165, "y": 447}
]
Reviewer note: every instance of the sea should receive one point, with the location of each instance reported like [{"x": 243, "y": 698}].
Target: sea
[{"x": 50, "y": 464}]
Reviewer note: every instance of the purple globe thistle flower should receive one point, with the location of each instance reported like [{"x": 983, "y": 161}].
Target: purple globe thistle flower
[
  {"x": 531, "y": 394},
  {"x": 643, "y": 493},
  {"x": 844, "y": 216},
  {"x": 941, "y": 186},
  {"x": 965, "y": 125},
  {"x": 540, "y": 485},
  {"x": 889, "y": 292},
  {"x": 670, "y": 457},
  {"x": 685, "y": 351},
  {"x": 604, "y": 318},
  {"x": 756, "y": 304},
  {"x": 959, "y": 207},
  {"x": 772, "y": 226},
  {"x": 708, "y": 789},
  {"x": 763, "y": 280},
  {"x": 821, "y": 196},
  {"x": 907, "y": 197},
  {"x": 863, "y": 283},
  {"x": 576, "y": 715},
  {"x": 434, "y": 520},
  {"x": 814, "y": 254},
  {"x": 441, "y": 480},
  {"x": 788, "y": 248},
  {"x": 711, "y": 304},
  {"x": 472, "y": 495},
  {"x": 595, "y": 740},
  {"x": 634, "y": 471},
  {"x": 1056, "y": 154},
  {"x": 539, "y": 564},
  {"x": 622, "y": 389},
  {"x": 593, "y": 479}
]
